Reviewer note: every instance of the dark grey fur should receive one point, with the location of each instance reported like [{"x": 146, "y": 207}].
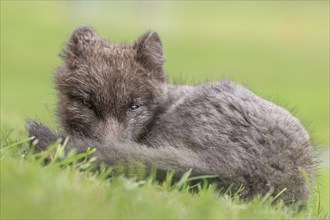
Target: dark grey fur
[{"x": 216, "y": 128}]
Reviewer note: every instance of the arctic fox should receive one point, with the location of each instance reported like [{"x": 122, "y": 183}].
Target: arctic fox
[{"x": 114, "y": 97}]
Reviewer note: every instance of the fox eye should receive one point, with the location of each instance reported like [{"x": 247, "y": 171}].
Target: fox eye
[
  {"x": 133, "y": 108},
  {"x": 87, "y": 104}
]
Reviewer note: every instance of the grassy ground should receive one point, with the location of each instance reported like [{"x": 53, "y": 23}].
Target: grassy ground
[
  {"x": 279, "y": 49},
  {"x": 31, "y": 190}
]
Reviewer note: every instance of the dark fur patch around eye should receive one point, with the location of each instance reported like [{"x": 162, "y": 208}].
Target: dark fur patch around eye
[
  {"x": 83, "y": 99},
  {"x": 88, "y": 104}
]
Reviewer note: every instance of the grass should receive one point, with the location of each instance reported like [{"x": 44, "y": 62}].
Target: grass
[
  {"x": 67, "y": 187},
  {"x": 278, "y": 49}
]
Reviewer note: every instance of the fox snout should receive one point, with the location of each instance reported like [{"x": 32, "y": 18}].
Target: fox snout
[{"x": 115, "y": 131}]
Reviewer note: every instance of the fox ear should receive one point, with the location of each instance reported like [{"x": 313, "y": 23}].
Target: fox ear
[
  {"x": 150, "y": 51},
  {"x": 80, "y": 45}
]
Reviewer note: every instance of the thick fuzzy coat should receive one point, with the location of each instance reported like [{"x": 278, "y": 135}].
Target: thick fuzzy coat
[{"x": 114, "y": 97}]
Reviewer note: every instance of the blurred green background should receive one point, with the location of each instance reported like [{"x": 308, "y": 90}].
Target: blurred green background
[{"x": 280, "y": 50}]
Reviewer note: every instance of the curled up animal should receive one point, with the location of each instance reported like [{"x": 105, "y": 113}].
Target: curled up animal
[{"x": 115, "y": 97}]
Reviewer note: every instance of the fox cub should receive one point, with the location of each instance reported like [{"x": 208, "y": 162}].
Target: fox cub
[{"x": 114, "y": 97}]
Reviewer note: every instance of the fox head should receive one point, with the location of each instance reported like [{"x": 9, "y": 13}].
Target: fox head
[{"x": 109, "y": 89}]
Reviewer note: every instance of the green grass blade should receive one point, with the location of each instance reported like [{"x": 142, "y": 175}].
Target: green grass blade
[{"x": 17, "y": 143}]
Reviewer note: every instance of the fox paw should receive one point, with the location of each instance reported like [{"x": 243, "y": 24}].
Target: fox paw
[{"x": 43, "y": 136}]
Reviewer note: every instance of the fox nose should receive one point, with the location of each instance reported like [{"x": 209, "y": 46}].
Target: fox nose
[{"x": 114, "y": 130}]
